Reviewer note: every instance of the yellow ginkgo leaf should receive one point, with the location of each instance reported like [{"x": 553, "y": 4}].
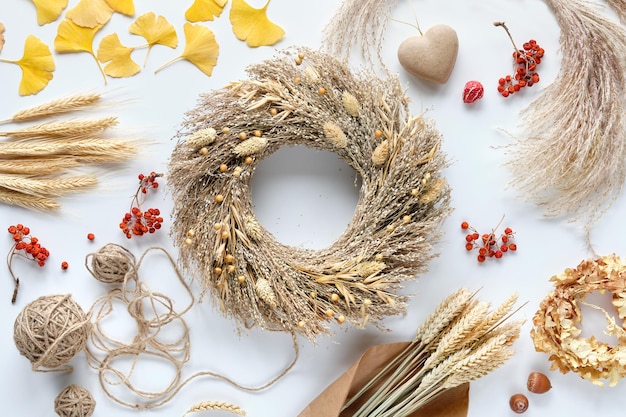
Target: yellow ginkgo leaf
[
  {"x": 73, "y": 38},
  {"x": 37, "y": 65},
  {"x": 203, "y": 10},
  {"x": 201, "y": 48},
  {"x": 156, "y": 30},
  {"x": 126, "y": 7},
  {"x": 117, "y": 56},
  {"x": 2, "y": 29},
  {"x": 253, "y": 26},
  {"x": 49, "y": 10},
  {"x": 90, "y": 13}
]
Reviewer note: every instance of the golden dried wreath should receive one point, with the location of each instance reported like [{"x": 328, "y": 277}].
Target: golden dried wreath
[
  {"x": 557, "y": 323},
  {"x": 309, "y": 98}
]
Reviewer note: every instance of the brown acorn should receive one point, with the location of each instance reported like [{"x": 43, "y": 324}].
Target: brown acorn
[
  {"x": 538, "y": 383},
  {"x": 518, "y": 403}
]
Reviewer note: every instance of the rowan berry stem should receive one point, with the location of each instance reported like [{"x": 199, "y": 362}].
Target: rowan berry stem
[
  {"x": 503, "y": 25},
  {"x": 15, "y": 279}
]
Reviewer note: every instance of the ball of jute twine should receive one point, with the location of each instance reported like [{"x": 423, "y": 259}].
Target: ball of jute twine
[
  {"x": 111, "y": 264},
  {"x": 74, "y": 401},
  {"x": 50, "y": 331}
]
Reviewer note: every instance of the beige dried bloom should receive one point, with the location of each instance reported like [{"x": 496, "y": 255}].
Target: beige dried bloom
[
  {"x": 433, "y": 191},
  {"x": 2, "y": 28},
  {"x": 250, "y": 146},
  {"x": 335, "y": 135},
  {"x": 350, "y": 103},
  {"x": 201, "y": 137},
  {"x": 381, "y": 153},
  {"x": 252, "y": 227},
  {"x": 311, "y": 76},
  {"x": 265, "y": 292}
]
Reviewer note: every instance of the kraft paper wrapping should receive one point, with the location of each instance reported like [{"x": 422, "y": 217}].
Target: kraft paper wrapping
[{"x": 452, "y": 403}]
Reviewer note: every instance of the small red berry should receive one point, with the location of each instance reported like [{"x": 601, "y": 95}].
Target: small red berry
[
  {"x": 498, "y": 254},
  {"x": 481, "y": 258},
  {"x": 469, "y": 246},
  {"x": 512, "y": 246},
  {"x": 64, "y": 265},
  {"x": 91, "y": 236},
  {"x": 464, "y": 225},
  {"x": 508, "y": 231}
]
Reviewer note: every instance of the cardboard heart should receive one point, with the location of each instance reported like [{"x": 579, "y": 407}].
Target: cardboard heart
[{"x": 431, "y": 56}]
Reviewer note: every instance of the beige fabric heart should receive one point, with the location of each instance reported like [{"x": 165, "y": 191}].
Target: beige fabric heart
[{"x": 431, "y": 56}]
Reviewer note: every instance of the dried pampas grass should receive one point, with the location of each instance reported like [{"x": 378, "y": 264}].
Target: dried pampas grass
[
  {"x": 403, "y": 198},
  {"x": 571, "y": 158},
  {"x": 36, "y": 161}
]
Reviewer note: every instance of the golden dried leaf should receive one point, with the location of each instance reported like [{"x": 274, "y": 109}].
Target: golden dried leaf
[
  {"x": 37, "y": 66},
  {"x": 49, "y": 10},
  {"x": 90, "y": 13},
  {"x": 2, "y": 29},
  {"x": 74, "y": 38},
  {"x": 117, "y": 56},
  {"x": 126, "y": 7},
  {"x": 203, "y": 10},
  {"x": 253, "y": 26},
  {"x": 156, "y": 30},
  {"x": 201, "y": 48}
]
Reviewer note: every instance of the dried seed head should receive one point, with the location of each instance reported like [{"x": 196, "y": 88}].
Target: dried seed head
[
  {"x": 204, "y": 151},
  {"x": 350, "y": 103},
  {"x": 311, "y": 76},
  {"x": 433, "y": 192},
  {"x": 237, "y": 172},
  {"x": 334, "y": 297},
  {"x": 321, "y": 91},
  {"x": 335, "y": 135},
  {"x": 369, "y": 268},
  {"x": 381, "y": 153},
  {"x": 251, "y": 146},
  {"x": 252, "y": 227},
  {"x": 241, "y": 279},
  {"x": 265, "y": 292},
  {"x": 201, "y": 137}
]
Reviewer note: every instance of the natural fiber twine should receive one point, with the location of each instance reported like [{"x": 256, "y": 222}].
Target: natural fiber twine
[
  {"x": 111, "y": 264},
  {"x": 50, "y": 331},
  {"x": 74, "y": 401}
]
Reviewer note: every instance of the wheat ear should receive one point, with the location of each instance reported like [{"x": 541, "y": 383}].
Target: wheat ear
[
  {"x": 46, "y": 187},
  {"x": 215, "y": 406},
  {"x": 116, "y": 149},
  {"x": 37, "y": 166},
  {"x": 15, "y": 198},
  {"x": 54, "y": 107},
  {"x": 65, "y": 130}
]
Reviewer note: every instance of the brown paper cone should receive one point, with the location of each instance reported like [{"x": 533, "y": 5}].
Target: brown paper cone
[{"x": 451, "y": 403}]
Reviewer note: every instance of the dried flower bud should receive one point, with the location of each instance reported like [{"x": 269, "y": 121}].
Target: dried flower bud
[
  {"x": 381, "y": 153},
  {"x": 350, "y": 103},
  {"x": 335, "y": 135},
  {"x": 518, "y": 403},
  {"x": 201, "y": 137},
  {"x": 252, "y": 227},
  {"x": 538, "y": 383},
  {"x": 250, "y": 146},
  {"x": 265, "y": 292},
  {"x": 433, "y": 191}
]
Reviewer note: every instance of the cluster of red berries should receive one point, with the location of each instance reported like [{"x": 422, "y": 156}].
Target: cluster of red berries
[
  {"x": 488, "y": 244},
  {"x": 29, "y": 244},
  {"x": 137, "y": 222},
  {"x": 32, "y": 250},
  {"x": 527, "y": 60}
]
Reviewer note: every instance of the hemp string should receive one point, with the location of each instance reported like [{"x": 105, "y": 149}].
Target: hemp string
[{"x": 133, "y": 293}]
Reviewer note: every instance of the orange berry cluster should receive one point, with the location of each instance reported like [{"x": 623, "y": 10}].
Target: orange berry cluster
[
  {"x": 29, "y": 244},
  {"x": 137, "y": 222},
  {"x": 488, "y": 245},
  {"x": 526, "y": 60}
]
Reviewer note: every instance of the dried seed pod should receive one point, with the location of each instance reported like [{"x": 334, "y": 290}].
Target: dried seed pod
[
  {"x": 518, "y": 403},
  {"x": 538, "y": 383}
]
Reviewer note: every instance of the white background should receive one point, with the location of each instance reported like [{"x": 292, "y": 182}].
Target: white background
[{"x": 305, "y": 198}]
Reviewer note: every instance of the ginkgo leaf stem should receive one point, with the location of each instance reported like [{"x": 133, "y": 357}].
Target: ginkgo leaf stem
[
  {"x": 8, "y": 61},
  {"x": 178, "y": 58},
  {"x": 100, "y": 67}
]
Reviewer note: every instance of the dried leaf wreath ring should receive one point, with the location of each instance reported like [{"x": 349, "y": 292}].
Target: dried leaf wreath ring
[
  {"x": 557, "y": 323},
  {"x": 305, "y": 97}
]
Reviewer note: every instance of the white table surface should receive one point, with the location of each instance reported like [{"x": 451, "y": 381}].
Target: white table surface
[{"x": 316, "y": 199}]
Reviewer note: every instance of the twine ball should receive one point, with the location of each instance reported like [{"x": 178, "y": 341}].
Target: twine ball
[
  {"x": 50, "y": 331},
  {"x": 111, "y": 264},
  {"x": 74, "y": 401}
]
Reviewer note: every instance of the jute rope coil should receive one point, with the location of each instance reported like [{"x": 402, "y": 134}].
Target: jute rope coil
[
  {"x": 74, "y": 401},
  {"x": 557, "y": 323},
  {"x": 50, "y": 331},
  {"x": 308, "y": 98}
]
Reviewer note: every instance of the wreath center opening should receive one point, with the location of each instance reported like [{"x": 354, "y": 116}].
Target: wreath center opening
[{"x": 305, "y": 197}]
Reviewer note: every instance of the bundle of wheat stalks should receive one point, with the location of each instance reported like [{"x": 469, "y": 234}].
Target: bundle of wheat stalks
[
  {"x": 461, "y": 341},
  {"x": 35, "y": 161},
  {"x": 308, "y": 98}
]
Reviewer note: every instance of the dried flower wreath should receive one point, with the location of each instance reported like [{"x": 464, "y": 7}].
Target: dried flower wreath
[
  {"x": 307, "y": 98},
  {"x": 557, "y": 323}
]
